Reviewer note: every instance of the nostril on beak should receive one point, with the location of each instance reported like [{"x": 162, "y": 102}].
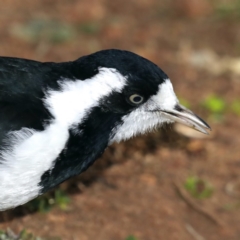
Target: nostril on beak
[{"x": 178, "y": 108}]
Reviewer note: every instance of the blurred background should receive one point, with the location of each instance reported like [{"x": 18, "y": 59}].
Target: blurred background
[{"x": 170, "y": 184}]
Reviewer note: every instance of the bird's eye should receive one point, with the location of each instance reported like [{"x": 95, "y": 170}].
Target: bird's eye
[{"x": 136, "y": 99}]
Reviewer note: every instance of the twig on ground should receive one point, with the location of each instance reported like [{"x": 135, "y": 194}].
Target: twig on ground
[
  {"x": 195, "y": 206},
  {"x": 193, "y": 232}
]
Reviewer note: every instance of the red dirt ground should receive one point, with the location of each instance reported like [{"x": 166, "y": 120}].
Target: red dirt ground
[{"x": 137, "y": 187}]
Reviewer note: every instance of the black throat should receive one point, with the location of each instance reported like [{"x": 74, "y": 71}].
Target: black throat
[{"x": 86, "y": 143}]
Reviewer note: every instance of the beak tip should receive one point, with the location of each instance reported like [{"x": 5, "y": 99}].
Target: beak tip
[
  {"x": 203, "y": 131},
  {"x": 208, "y": 128},
  {"x": 207, "y": 133},
  {"x": 186, "y": 117}
]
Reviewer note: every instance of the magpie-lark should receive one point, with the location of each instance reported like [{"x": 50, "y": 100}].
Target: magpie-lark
[{"x": 56, "y": 119}]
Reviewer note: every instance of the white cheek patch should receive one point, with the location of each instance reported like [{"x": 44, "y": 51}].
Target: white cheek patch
[
  {"x": 147, "y": 117},
  {"x": 31, "y": 152},
  {"x": 137, "y": 122}
]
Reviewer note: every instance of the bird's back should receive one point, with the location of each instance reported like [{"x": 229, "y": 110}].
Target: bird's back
[{"x": 23, "y": 84}]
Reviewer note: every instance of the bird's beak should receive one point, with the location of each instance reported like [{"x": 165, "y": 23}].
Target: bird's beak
[{"x": 186, "y": 117}]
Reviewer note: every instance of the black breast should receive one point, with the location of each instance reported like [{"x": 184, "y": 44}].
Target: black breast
[{"x": 82, "y": 148}]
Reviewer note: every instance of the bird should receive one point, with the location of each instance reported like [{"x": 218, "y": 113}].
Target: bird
[{"x": 56, "y": 119}]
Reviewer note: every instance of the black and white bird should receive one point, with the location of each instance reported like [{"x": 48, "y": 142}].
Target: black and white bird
[{"x": 56, "y": 119}]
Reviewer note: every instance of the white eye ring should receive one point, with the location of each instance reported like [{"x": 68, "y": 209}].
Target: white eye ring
[{"x": 136, "y": 99}]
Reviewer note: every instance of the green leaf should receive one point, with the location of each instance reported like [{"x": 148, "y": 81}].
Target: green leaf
[
  {"x": 235, "y": 107},
  {"x": 45, "y": 202},
  {"x": 44, "y": 30},
  {"x": 131, "y": 237},
  {"x": 214, "y": 104},
  {"x": 89, "y": 28},
  {"x": 61, "y": 199},
  {"x": 198, "y": 188}
]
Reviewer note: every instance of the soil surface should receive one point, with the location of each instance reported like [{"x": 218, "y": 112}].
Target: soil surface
[{"x": 137, "y": 187}]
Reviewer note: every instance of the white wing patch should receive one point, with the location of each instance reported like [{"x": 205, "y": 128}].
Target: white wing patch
[{"x": 31, "y": 152}]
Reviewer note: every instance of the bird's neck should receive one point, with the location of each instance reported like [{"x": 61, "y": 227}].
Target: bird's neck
[{"x": 86, "y": 143}]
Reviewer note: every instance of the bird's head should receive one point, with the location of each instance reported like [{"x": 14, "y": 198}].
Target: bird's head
[{"x": 138, "y": 91}]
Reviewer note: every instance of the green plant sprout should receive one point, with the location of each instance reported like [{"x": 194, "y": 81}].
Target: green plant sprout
[
  {"x": 216, "y": 106},
  {"x": 61, "y": 199},
  {"x": 45, "y": 30},
  {"x": 235, "y": 107},
  {"x": 46, "y": 202},
  {"x": 131, "y": 237},
  {"x": 198, "y": 188},
  {"x": 89, "y": 28},
  {"x": 228, "y": 9},
  {"x": 232, "y": 206},
  {"x": 23, "y": 235}
]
